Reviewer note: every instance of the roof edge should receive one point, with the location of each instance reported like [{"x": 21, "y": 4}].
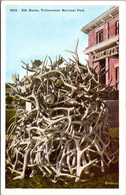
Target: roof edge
[{"x": 94, "y": 23}]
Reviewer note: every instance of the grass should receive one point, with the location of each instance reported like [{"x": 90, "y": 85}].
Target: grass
[
  {"x": 99, "y": 180},
  {"x": 114, "y": 131},
  {"x": 109, "y": 179}
]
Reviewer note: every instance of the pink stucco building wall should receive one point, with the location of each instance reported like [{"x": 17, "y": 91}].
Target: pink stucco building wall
[
  {"x": 109, "y": 31},
  {"x": 112, "y": 26}
]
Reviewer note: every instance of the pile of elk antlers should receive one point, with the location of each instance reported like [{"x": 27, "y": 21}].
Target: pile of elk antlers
[{"x": 66, "y": 131}]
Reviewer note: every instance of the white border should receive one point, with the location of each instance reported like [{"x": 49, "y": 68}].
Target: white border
[
  {"x": 61, "y": 2},
  {"x": 122, "y": 116}
]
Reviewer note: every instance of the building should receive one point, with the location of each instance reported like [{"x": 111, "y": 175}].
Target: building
[{"x": 103, "y": 45}]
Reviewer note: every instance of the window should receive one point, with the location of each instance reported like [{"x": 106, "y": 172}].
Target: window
[
  {"x": 117, "y": 77},
  {"x": 117, "y": 74},
  {"x": 102, "y": 76},
  {"x": 99, "y": 36},
  {"x": 117, "y": 28}
]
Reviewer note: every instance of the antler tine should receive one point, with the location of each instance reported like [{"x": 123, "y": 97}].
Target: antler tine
[{"x": 76, "y": 54}]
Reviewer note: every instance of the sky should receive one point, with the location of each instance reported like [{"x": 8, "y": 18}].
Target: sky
[{"x": 32, "y": 35}]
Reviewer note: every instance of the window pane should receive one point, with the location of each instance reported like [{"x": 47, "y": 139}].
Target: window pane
[
  {"x": 99, "y": 36},
  {"x": 117, "y": 28}
]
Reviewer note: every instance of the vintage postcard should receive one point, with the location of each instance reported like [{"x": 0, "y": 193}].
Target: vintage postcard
[{"x": 63, "y": 97}]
